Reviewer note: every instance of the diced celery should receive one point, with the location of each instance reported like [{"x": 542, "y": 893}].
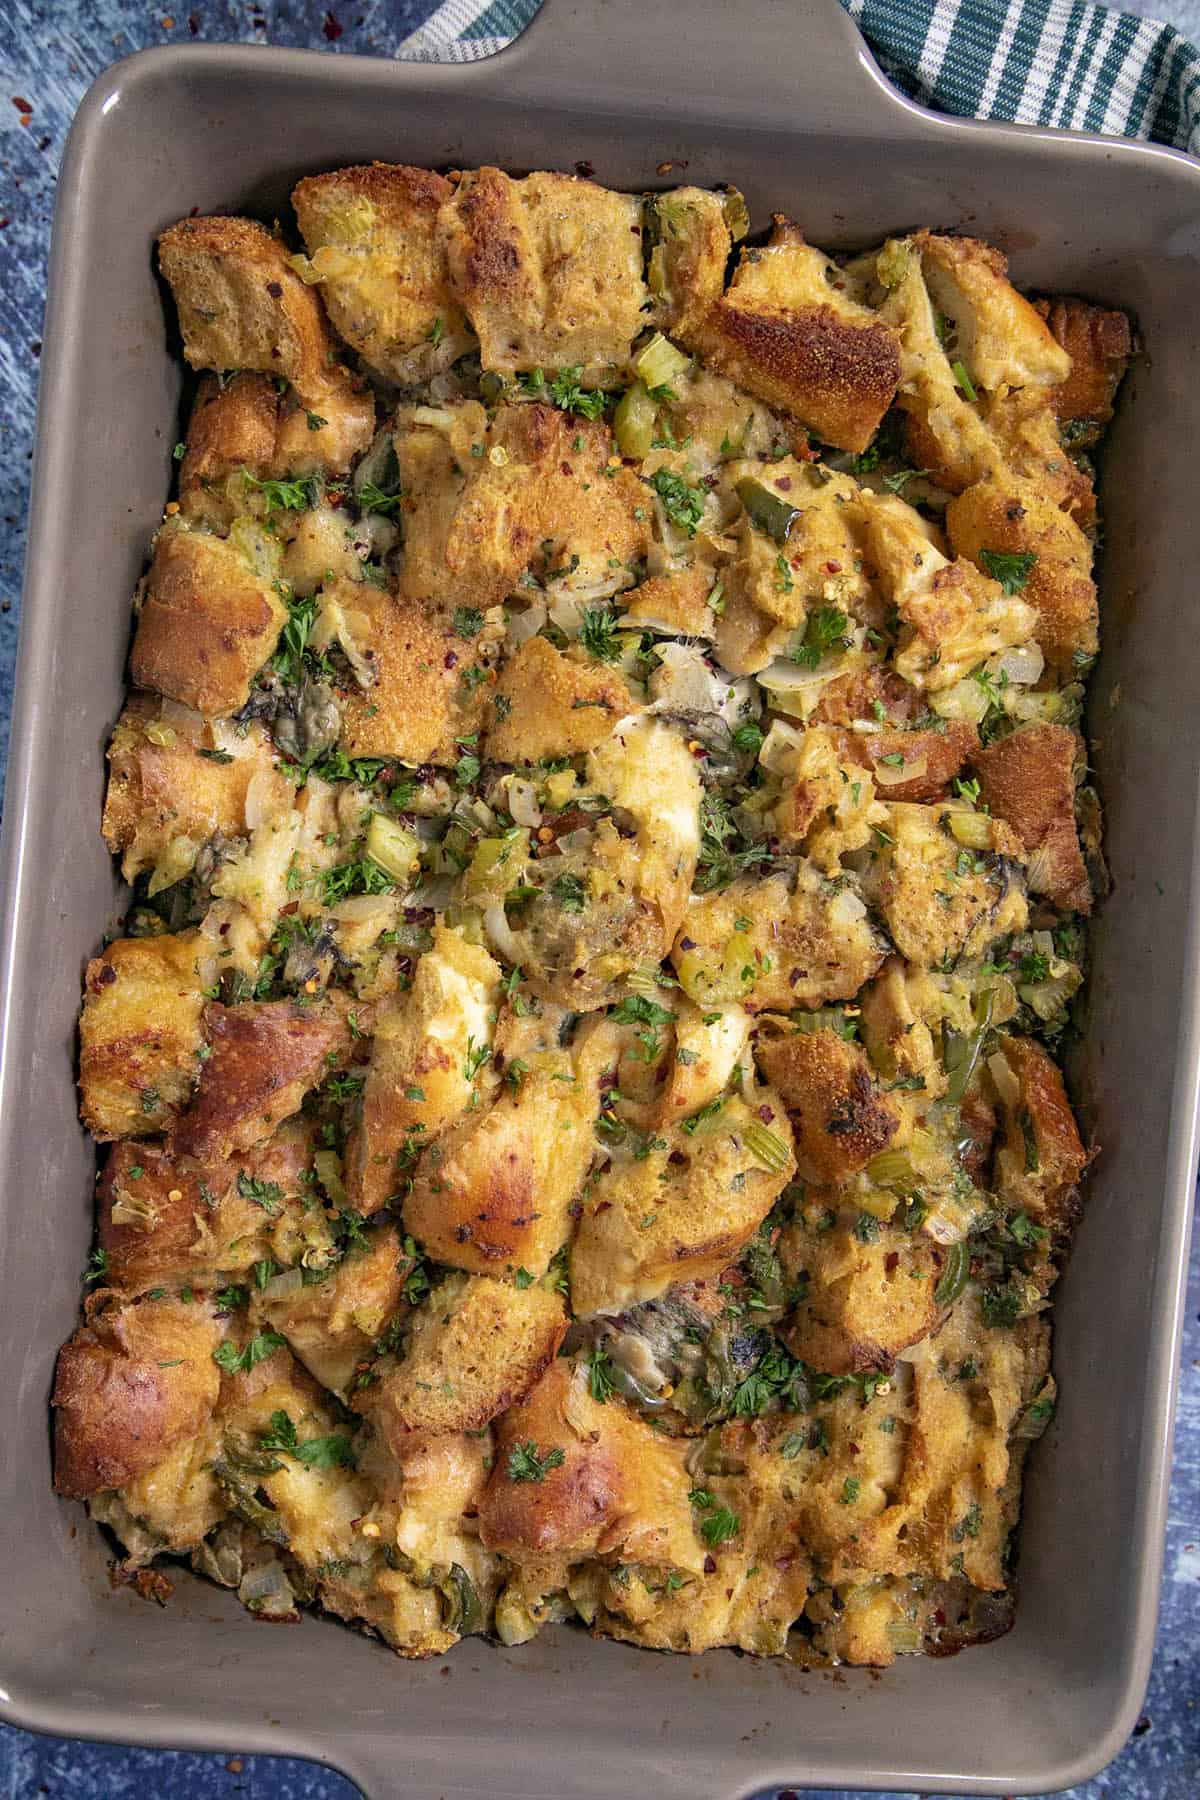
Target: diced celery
[
  {"x": 633, "y": 421},
  {"x": 661, "y": 362},
  {"x": 393, "y": 846}
]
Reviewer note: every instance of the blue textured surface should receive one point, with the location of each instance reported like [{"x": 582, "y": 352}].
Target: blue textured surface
[{"x": 48, "y": 56}]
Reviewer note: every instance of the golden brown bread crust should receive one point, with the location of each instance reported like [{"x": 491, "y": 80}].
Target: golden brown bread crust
[
  {"x": 161, "y": 787},
  {"x": 546, "y": 704},
  {"x": 865, "y": 1302},
  {"x": 940, "y": 755},
  {"x": 241, "y": 305},
  {"x": 233, "y": 425},
  {"x": 1028, "y": 780},
  {"x": 472, "y": 1351},
  {"x": 161, "y": 1218},
  {"x": 1100, "y": 344},
  {"x": 139, "y": 1035},
  {"x": 1013, "y": 516},
  {"x": 207, "y": 624},
  {"x": 1041, "y": 1156},
  {"x": 263, "y": 1058},
  {"x": 619, "y": 1485},
  {"x": 785, "y": 333},
  {"x": 372, "y": 236},
  {"x": 548, "y": 269},
  {"x": 128, "y": 1388},
  {"x": 841, "y": 1119},
  {"x": 419, "y": 706}
]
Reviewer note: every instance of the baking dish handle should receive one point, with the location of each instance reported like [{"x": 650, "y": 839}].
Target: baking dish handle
[{"x": 802, "y": 62}]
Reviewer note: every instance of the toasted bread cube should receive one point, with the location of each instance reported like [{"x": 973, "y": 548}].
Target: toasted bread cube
[
  {"x": 937, "y": 902},
  {"x": 263, "y": 1058},
  {"x": 474, "y": 1348},
  {"x": 232, "y": 426},
  {"x": 332, "y": 1325},
  {"x": 953, "y": 616},
  {"x": 210, "y": 617},
  {"x": 676, "y": 601},
  {"x": 928, "y": 760},
  {"x": 1041, "y": 1157},
  {"x": 547, "y": 704},
  {"x": 827, "y": 797},
  {"x": 687, "y": 263},
  {"x": 242, "y": 305},
  {"x": 161, "y": 1219},
  {"x": 788, "y": 331},
  {"x": 865, "y": 1302},
  {"x": 1014, "y": 517},
  {"x": 163, "y": 788},
  {"x": 548, "y": 270},
  {"x": 1028, "y": 780},
  {"x": 419, "y": 706},
  {"x": 841, "y": 1120},
  {"x": 139, "y": 1035},
  {"x": 682, "y": 1212},
  {"x": 429, "y": 1054},
  {"x": 1100, "y": 344},
  {"x": 895, "y": 1030},
  {"x": 802, "y": 947},
  {"x": 375, "y": 251},
  {"x": 129, "y": 1387},
  {"x": 498, "y": 1196},
  {"x": 614, "y": 1486},
  {"x": 994, "y": 330}
]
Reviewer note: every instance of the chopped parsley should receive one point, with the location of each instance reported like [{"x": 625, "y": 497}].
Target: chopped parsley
[
  {"x": 682, "y": 503},
  {"x": 823, "y": 629},
  {"x": 1010, "y": 568},
  {"x": 599, "y": 635},
  {"x": 227, "y": 1356},
  {"x": 524, "y": 1463},
  {"x": 268, "y": 1194}
]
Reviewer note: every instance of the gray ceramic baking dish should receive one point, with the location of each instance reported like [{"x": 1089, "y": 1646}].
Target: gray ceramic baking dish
[{"x": 779, "y": 97}]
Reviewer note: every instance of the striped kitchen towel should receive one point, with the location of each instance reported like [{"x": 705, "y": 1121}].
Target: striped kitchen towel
[{"x": 1066, "y": 63}]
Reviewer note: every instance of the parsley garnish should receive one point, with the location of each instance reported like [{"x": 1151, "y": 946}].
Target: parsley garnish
[
  {"x": 823, "y": 629},
  {"x": 268, "y": 1194},
  {"x": 1010, "y": 568},
  {"x": 373, "y": 500},
  {"x": 682, "y": 503},
  {"x": 524, "y": 1463},
  {"x": 227, "y": 1356},
  {"x": 598, "y": 634}
]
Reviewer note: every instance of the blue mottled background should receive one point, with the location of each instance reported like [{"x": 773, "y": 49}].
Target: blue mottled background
[{"x": 49, "y": 53}]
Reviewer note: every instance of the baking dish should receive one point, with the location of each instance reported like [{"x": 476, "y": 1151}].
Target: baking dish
[{"x": 781, "y": 100}]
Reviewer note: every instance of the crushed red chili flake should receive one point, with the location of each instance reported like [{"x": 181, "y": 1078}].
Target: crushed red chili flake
[
  {"x": 275, "y": 289},
  {"x": 832, "y": 568},
  {"x": 766, "y": 1114},
  {"x": 22, "y": 105},
  {"x": 784, "y": 483},
  {"x": 451, "y": 661},
  {"x": 710, "y": 1565}
]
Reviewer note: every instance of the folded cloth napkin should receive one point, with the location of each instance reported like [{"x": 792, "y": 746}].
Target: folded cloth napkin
[{"x": 1037, "y": 62}]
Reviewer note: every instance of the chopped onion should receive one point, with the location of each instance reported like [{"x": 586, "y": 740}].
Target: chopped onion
[
  {"x": 522, "y": 802},
  {"x": 440, "y": 418},
  {"x": 890, "y": 775},
  {"x": 575, "y": 840},
  {"x": 847, "y": 908},
  {"x": 284, "y": 1286},
  {"x": 780, "y": 748},
  {"x": 966, "y": 700},
  {"x": 1022, "y": 665},
  {"x": 498, "y": 929},
  {"x": 524, "y": 625},
  {"x": 262, "y": 797},
  {"x": 1007, "y": 1085}
]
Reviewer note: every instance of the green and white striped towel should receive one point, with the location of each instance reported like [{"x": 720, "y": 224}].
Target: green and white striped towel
[{"x": 1064, "y": 63}]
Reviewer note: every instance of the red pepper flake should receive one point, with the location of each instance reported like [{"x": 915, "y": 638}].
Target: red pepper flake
[
  {"x": 331, "y": 27},
  {"x": 766, "y": 1114},
  {"x": 832, "y": 568},
  {"x": 451, "y": 660},
  {"x": 22, "y": 105},
  {"x": 275, "y": 289},
  {"x": 710, "y": 1565},
  {"x": 939, "y": 1617},
  {"x": 784, "y": 483},
  {"x": 891, "y": 1260},
  {"x": 854, "y": 1449}
]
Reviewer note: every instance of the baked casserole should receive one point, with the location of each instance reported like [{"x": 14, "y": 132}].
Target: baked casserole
[{"x": 610, "y": 844}]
